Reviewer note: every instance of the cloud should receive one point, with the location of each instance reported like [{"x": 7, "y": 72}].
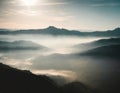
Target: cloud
[
  {"x": 64, "y": 73},
  {"x": 108, "y": 5},
  {"x": 22, "y": 64},
  {"x": 53, "y": 4},
  {"x": 91, "y": 2}
]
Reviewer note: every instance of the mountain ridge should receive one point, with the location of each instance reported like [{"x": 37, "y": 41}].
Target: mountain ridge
[
  {"x": 51, "y": 30},
  {"x": 108, "y": 51},
  {"x": 97, "y": 43}
]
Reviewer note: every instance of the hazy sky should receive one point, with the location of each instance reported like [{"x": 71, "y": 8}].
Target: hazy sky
[{"x": 70, "y": 14}]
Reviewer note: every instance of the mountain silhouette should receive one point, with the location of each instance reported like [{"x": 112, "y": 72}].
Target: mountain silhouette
[
  {"x": 110, "y": 51},
  {"x": 19, "y": 45},
  {"x": 97, "y": 43},
  {"x": 51, "y": 30},
  {"x": 17, "y": 81},
  {"x": 109, "y": 33},
  {"x": 13, "y": 80},
  {"x": 76, "y": 87}
]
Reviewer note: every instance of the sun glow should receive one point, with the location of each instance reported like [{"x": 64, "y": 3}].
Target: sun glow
[{"x": 29, "y": 2}]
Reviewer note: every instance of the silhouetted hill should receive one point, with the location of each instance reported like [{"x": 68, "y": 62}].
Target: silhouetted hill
[
  {"x": 76, "y": 87},
  {"x": 103, "y": 42},
  {"x": 111, "y": 51},
  {"x": 98, "y": 43},
  {"x": 19, "y": 45},
  {"x": 109, "y": 33},
  {"x": 51, "y": 30},
  {"x": 17, "y": 81},
  {"x": 13, "y": 80}
]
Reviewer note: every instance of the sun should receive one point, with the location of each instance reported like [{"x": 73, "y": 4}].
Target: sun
[{"x": 29, "y": 2}]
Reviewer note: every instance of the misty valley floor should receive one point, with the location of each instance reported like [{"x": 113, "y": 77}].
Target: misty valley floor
[{"x": 69, "y": 63}]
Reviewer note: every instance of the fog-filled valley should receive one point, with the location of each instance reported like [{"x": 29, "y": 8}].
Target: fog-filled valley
[{"x": 92, "y": 60}]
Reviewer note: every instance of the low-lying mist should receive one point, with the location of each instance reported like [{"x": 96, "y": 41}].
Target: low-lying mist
[
  {"x": 60, "y": 58},
  {"x": 58, "y": 44}
]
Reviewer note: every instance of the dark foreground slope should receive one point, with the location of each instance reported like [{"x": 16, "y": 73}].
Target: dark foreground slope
[
  {"x": 18, "y": 81},
  {"x": 77, "y": 87}
]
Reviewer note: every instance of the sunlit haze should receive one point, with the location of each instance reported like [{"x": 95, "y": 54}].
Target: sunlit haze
[
  {"x": 29, "y": 2},
  {"x": 70, "y": 14}
]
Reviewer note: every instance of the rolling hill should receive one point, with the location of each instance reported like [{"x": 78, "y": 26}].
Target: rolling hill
[
  {"x": 97, "y": 43},
  {"x": 110, "y": 51},
  {"x": 19, "y": 45}
]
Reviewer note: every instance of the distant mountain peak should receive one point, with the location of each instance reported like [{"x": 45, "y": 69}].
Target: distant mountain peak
[{"x": 51, "y": 27}]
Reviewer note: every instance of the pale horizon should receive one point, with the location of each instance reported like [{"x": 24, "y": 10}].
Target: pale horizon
[{"x": 74, "y": 15}]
